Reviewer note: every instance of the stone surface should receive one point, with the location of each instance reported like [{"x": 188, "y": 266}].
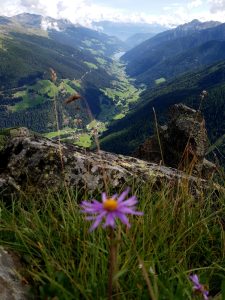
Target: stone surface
[
  {"x": 184, "y": 143},
  {"x": 10, "y": 286},
  {"x": 28, "y": 160}
]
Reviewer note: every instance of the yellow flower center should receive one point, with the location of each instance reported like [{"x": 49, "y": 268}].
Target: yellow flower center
[{"x": 110, "y": 204}]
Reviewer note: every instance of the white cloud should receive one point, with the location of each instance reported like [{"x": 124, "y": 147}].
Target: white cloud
[
  {"x": 217, "y": 5},
  {"x": 86, "y": 11},
  {"x": 45, "y": 24},
  {"x": 195, "y": 4},
  {"x": 78, "y": 11}
]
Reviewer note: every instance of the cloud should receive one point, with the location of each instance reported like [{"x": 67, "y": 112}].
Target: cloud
[
  {"x": 217, "y": 5},
  {"x": 8, "y": 8},
  {"x": 45, "y": 24},
  {"x": 86, "y": 11},
  {"x": 195, "y": 4},
  {"x": 79, "y": 11}
]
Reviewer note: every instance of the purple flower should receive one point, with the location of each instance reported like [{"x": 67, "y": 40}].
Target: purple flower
[
  {"x": 198, "y": 287},
  {"x": 110, "y": 208}
]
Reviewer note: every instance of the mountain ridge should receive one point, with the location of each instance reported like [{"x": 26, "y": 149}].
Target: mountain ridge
[
  {"x": 167, "y": 45},
  {"x": 124, "y": 136}
]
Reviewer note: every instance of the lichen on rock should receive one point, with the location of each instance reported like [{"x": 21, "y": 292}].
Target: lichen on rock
[
  {"x": 11, "y": 287},
  {"x": 181, "y": 144},
  {"x": 29, "y": 160}
]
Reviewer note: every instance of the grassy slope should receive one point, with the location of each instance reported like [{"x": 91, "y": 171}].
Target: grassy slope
[
  {"x": 176, "y": 237},
  {"x": 122, "y": 93}
]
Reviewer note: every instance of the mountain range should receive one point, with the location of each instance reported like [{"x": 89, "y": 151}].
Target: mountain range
[
  {"x": 125, "y": 30},
  {"x": 29, "y": 46},
  {"x": 170, "y": 67},
  {"x": 175, "y": 66},
  {"x": 124, "y": 136},
  {"x": 185, "y": 48}
]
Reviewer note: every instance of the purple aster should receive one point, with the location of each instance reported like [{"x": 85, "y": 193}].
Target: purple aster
[
  {"x": 110, "y": 208},
  {"x": 198, "y": 287}
]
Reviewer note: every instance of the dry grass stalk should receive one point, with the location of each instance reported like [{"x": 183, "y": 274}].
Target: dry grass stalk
[
  {"x": 158, "y": 137},
  {"x": 73, "y": 98}
]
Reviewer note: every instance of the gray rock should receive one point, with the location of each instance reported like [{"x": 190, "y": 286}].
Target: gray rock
[
  {"x": 184, "y": 143},
  {"x": 10, "y": 285},
  {"x": 30, "y": 161}
]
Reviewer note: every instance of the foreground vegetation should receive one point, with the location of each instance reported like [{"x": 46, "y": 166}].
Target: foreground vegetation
[{"x": 178, "y": 235}]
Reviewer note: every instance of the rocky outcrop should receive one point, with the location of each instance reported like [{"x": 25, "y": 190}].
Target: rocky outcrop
[
  {"x": 181, "y": 144},
  {"x": 28, "y": 160},
  {"x": 11, "y": 287}
]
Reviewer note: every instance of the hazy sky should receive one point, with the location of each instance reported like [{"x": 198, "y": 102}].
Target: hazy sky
[{"x": 85, "y": 11}]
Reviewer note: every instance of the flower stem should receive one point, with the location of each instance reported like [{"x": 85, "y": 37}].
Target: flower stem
[{"x": 112, "y": 262}]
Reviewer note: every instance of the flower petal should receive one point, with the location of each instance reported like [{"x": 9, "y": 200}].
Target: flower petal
[
  {"x": 97, "y": 221},
  {"x": 110, "y": 219},
  {"x": 205, "y": 295},
  {"x": 104, "y": 197},
  {"x": 129, "y": 202},
  {"x": 123, "y": 219},
  {"x": 123, "y": 195},
  {"x": 114, "y": 196},
  {"x": 91, "y": 207},
  {"x": 194, "y": 279},
  {"x": 127, "y": 210}
]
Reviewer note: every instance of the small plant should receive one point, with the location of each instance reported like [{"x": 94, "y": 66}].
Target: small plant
[
  {"x": 198, "y": 287},
  {"x": 110, "y": 209}
]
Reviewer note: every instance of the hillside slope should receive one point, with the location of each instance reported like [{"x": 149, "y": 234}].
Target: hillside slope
[
  {"x": 125, "y": 135},
  {"x": 73, "y": 35},
  {"x": 29, "y": 46},
  {"x": 189, "y": 46}
]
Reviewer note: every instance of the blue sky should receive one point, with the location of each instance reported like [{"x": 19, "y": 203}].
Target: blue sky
[{"x": 166, "y": 12}]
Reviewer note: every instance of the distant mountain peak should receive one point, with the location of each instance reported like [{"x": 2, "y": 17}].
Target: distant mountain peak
[
  {"x": 197, "y": 25},
  {"x": 42, "y": 22},
  {"x": 195, "y": 21},
  {"x": 27, "y": 19},
  {"x": 4, "y": 20}
]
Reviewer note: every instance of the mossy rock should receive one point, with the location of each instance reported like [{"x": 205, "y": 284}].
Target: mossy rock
[
  {"x": 4, "y": 137},
  {"x": 8, "y": 133}
]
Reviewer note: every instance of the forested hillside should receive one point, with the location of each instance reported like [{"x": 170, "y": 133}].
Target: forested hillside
[
  {"x": 174, "y": 52},
  {"x": 31, "y": 45},
  {"x": 125, "y": 135},
  {"x": 67, "y": 33}
]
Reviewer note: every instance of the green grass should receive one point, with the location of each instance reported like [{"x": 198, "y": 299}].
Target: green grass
[
  {"x": 65, "y": 85},
  {"x": 2, "y": 47},
  {"x": 178, "y": 235},
  {"x": 218, "y": 143},
  {"x": 76, "y": 83},
  {"x": 42, "y": 91},
  {"x": 84, "y": 140},
  {"x": 101, "y": 61},
  {"x": 91, "y": 65},
  {"x": 94, "y": 124},
  {"x": 160, "y": 80},
  {"x": 122, "y": 93},
  {"x": 94, "y": 52},
  {"x": 44, "y": 87},
  {"x": 62, "y": 132},
  {"x": 119, "y": 116},
  {"x": 27, "y": 102},
  {"x": 35, "y": 94}
]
